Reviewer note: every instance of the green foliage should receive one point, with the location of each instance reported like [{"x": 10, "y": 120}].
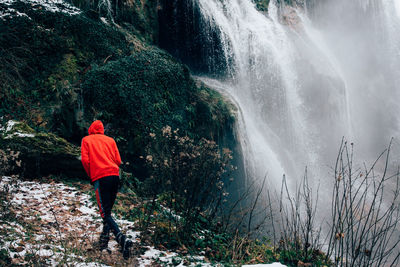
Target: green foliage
[
  {"x": 139, "y": 16},
  {"x": 295, "y": 257},
  {"x": 184, "y": 190},
  {"x": 262, "y": 5},
  {"x": 214, "y": 114},
  {"x": 151, "y": 85},
  {"x": 141, "y": 93},
  {"x": 190, "y": 172},
  {"x": 63, "y": 78},
  {"x": 5, "y": 259},
  {"x": 42, "y": 59}
]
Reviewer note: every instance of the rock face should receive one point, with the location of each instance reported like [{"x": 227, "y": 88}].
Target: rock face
[
  {"x": 33, "y": 154},
  {"x": 185, "y": 34},
  {"x": 141, "y": 16}
]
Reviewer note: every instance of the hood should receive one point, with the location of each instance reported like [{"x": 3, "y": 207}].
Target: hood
[{"x": 96, "y": 128}]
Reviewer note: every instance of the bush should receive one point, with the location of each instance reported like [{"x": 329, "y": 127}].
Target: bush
[
  {"x": 363, "y": 222},
  {"x": 141, "y": 93},
  {"x": 184, "y": 191},
  {"x": 189, "y": 174}
]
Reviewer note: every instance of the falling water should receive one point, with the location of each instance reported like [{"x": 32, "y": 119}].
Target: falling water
[{"x": 304, "y": 77}]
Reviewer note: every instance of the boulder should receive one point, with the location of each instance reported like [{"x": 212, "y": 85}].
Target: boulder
[{"x": 34, "y": 154}]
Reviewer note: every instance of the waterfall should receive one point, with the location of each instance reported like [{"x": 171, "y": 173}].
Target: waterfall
[{"x": 303, "y": 78}]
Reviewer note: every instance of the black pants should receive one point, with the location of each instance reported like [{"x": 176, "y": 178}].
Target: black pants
[{"x": 106, "y": 190}]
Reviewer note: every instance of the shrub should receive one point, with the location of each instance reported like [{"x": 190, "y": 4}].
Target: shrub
[
  {"x": 141, "y": 93},
  {"x": 363, "y": 221},
  {"x": 190, "y": 174},
  {"x": 184, "y": 190}
]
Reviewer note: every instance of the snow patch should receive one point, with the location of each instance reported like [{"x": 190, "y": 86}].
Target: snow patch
[
  {"x": 10, "y": 126},
  {"x": 275, "y": 264},
  {"x": 48, "y": 5},
  {"x": 60, "y": 212},
  {"x": 10, "y": 12},
  {"x": 167, "y": 258},
  {"x": 18, "y": 134},
  {"x": 104, "y": 20}
]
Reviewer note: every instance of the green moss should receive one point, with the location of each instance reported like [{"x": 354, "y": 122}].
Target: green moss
[
  {"x": 17, "y": 127},
  {"x": 142, "y": 16},
  {"x": 43, "y": 61},
  {"x": 5, "y": 259},
  {"x": 76, "y": 69},
  {"x": 64, "y": 76},
  {"x": 215, "y": 112},
  {"x": 262, "y": 5},
  {"x": 40, "y": 153}
]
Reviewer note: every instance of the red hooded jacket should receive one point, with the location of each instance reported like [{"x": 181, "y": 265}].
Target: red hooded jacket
[{"x": 99, "y": 153}]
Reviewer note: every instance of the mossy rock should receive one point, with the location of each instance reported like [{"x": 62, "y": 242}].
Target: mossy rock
[
  {"x": 262, "y": 5},
  {"x": 38, "y": 154}
]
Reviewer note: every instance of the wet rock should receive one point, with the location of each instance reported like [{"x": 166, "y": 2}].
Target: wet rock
[{"x": 34, "y": 154}]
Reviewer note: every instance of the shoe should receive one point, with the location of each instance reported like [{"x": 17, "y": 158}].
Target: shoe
[
  {"x": 126, "y": 251},
  {"x": 102, "y": 244},
  {"x": 125, "y": 245}
]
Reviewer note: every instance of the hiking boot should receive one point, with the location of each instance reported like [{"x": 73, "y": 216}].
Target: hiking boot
[
  {"x": 126, "y": 250},
  {"x": 125, "y": 245},
  {"x": 102, "y": 244}
]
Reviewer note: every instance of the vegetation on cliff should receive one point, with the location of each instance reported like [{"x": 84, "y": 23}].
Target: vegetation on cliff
[
  {"x": 43, "y": 57},
  {"x": 262, "y": 5},
  {"x": 54, "y": 64}
]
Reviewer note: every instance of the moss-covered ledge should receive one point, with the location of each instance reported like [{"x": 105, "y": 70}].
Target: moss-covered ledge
[{"x": 33, "y": 154}]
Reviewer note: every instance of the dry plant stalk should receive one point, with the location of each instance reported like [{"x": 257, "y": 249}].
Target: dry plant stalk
[{"x": 363, "y": 225}]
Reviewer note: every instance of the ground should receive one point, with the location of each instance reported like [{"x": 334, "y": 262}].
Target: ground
[
  {"x": 58, "y": 223},
  {"x": 49, "y": 222}
]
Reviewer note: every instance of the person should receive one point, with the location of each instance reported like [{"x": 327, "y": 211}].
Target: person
[{"x": 101, "y": 161}]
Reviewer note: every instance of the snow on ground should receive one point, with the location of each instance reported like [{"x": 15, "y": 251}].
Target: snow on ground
[
  {"x": 275, "y": 264},
  {"x": 49, "y": 5},
  {"x": 56, "y": 223},
  {"x": 6, "y": 130}
]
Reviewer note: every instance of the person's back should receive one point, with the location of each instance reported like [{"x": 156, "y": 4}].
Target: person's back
[
  {"x": 100, "y": 156},
  {"x": 101, "y": 160}
]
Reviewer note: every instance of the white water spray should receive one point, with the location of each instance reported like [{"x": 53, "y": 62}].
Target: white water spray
[{"x": 302, "y": 83}]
